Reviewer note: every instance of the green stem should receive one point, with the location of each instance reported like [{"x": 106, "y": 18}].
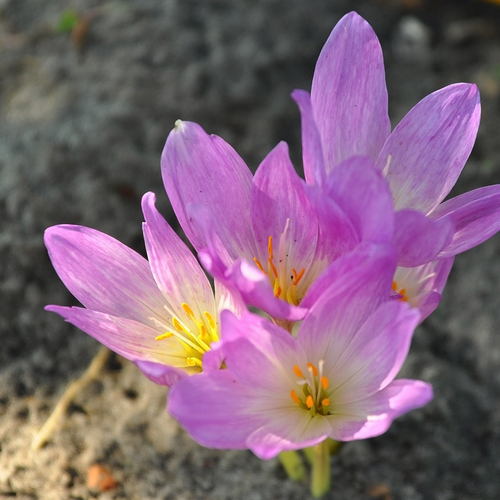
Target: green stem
[
  {"x": 292, "y": 463},
  {"x": 320, "y": 480}
]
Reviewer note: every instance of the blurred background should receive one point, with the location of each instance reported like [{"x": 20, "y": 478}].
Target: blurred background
[{"x": 89, "y": 91}]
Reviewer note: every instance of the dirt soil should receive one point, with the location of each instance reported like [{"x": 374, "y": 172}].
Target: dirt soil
[{"x": 83, "y": 120}]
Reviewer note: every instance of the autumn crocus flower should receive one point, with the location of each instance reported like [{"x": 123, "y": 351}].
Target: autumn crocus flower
[
  {"x": 421, "y": 159},
  {"x": 160, "y": 314},
  {"x": 264, "y": 235},
  {"x": 336, "y": 379}
]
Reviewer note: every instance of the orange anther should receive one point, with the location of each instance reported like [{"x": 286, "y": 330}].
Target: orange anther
[
  {"x": 259, "y": 265},
  {"x": 188, "y": 310},
  {"x": 273, "y": 267},
  {"x": 294, "y": 396},
  {"x": 297, "y": 371},
  {"x": 177, "y": 325},
  {"x": 309, "y": 401},
  {"x": 313, "y": 369},
  {"x": 270, "y": 247},
  {"x": 324, "y": 382},
  {"x": 298, "y": 277},
  {"x": 277, "y": 293},
  {"x": 164, "y": 336},
  {"x": 325, "y": 402},
  {"x": 211, "y": 321}
]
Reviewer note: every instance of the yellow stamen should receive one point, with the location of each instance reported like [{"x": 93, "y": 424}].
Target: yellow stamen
[
  {"x": 194, "y": 362},
  {"x": 325, "y": 402},
  {"x": 324, "y": 382},
  {"x": 164, "y": 336},
  {"x": 313, "y": 369},
  {"x": 297, "y": 371},
  {"x": 188, "y": 310},
  {"x": 259, "y": 265},
  {"x": 294, "y": 396},
  {"x": 309, "y": 401},
  {"x": 211, "y": 321},
  {"x": 177, "y": 325}
]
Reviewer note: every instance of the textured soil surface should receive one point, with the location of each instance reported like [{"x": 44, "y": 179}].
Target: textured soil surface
[{"x": 83, "y": 120}]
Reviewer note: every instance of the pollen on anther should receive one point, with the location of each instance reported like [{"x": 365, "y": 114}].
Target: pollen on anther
[
  {"x": 309, "y": 401},
  {"x": 164, "y": 336},
  {"x": 325, "y": 402},
  {"x": 177, "y": 325},
  {"x": 211, "y": 321},
  {"x": 298, "y": 277},
  {"x": 188, "y": 310},
  {"x": 324, "y": 382},
  {"x": 259, "y": 265},
  {"x": 278, "y": 292},
  {"x": 297, "y": 371},
  {"x": 294, "y": 396},
  {"x": 313, "y": 369},
  {"x": 273, "y": 267},
  {"x": 270, "y": 247}
]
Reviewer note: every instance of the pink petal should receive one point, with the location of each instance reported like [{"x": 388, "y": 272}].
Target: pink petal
[
  {"x": 176, "y": 270},
  {"x": 161, "y": 374},
  {"x": 426, "y": 152},
  {"x": 372, "y": 416},
  {"x": 476, "y": 216},
  {"x": 312, "y": 151},
  {"x": 349, "y": 95},
  {"x": 132, "y": 340},
  {"x": 364, "y": 195},
  {"x": 419, "y": 239},
  {"x": 203, "y": 169},
  {"x": 103, "y": 274}
]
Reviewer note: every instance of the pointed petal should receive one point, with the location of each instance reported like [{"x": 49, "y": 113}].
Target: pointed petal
[
  {"x": 364, "y": 195},
  {"x": 199, "y": 168},
  {"x": 102, "y": 273},
  {"x": 130, "y": 339},
  {"x": 426, "y": 152},
  {"x": 312, "y": 151},
  {"x": 349, "y": 95},
  {"x": 175, "y": 268},
  {"x": 161, "y": 374},
  {"x": 278, "y": 196},
  {"x": 346, "y": 304},
  {"x": 476, "y": 216},
  {"x": 375, "y": 354},
  {"x": 372, "y": 416},
  {"x": 419, "y": 239}
]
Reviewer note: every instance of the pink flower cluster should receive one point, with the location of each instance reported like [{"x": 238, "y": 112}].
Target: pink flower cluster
[{"x": 343, "y": 265}]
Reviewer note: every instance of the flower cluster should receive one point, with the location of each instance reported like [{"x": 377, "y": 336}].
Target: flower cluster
[{"x": 342, "y": 265}]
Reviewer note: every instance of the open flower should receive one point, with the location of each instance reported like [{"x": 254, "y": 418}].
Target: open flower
[
  {"x": 421, "y": 159},
  {"x": 269, "y": 236},
  {"x": 160, "y": 314},
  {"x": 336, "y": 379}
]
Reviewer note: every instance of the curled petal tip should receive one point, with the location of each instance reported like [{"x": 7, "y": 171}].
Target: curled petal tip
[{"x": 179, "y": 126}]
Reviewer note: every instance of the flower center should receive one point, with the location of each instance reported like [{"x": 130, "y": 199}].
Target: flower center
[
  {"x": 284, "y": 279},
  {"x": 313, "y": 396},
  {"x": 401, "y": 292},
  {"x": 195, "y": 337}
]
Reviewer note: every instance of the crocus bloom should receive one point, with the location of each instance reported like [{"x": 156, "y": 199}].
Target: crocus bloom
[
  {"x": 160, "y": 314},
  {"x": 346, "y": 115},
  {"x": 264, "y": 236},
  {"x": 336, "y": 379}
]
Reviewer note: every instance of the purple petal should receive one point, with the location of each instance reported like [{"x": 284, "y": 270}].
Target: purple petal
[
  {"x": 364, "y": 195},
  {"x": 419, "y": 239},
  {"x": 372, "y": 416},
  {"x": 426, "y": 152},
  {"x": 132, "y": 340},
  {"x": 312, "y": 152},
  {"x": 176, "y": 270},
  {"x": 204, "y": 169},
  {"x": 161, "y": 374},
  {"x": 476, "y": 216},
  {"x": 103, "y": 274},
  {"x": 348, "y": 301},
  {"x": 349, "y": 95},
  {"x": 374, "y": 356},
  {"x": 214, "y": 408}
]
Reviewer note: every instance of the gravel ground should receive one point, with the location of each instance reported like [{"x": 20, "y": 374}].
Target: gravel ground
[{"x": 83, "y": 120}]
